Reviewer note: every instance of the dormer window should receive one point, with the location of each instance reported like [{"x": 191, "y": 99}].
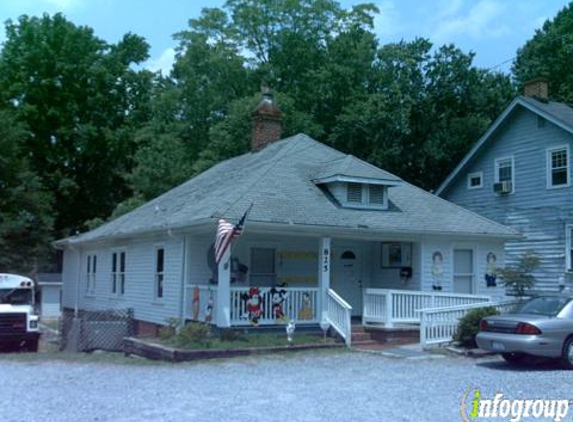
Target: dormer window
[
  {"x": 364, "y": 195},
  {"x": 353, "y": 183},
  {"x": 354, "y": 193},
  {"x": 377, "y": 196}
]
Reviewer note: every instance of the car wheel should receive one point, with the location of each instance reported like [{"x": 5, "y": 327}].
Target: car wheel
[
  {"x": 567, "y": 356},
  {"x": 513, "y": 358}
]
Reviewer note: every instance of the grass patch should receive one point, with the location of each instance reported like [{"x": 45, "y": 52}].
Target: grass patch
[{"x": 196, "y": 336}]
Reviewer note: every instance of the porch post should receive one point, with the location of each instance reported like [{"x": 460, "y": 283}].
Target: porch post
[
  {"x": 224, "y": 291},
  {"x": 324, "y": 272}
]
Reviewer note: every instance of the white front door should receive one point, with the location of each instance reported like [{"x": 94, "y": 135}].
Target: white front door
[
  {"x": 346, "y": 278},
  {"x": 463, "y": 271}
]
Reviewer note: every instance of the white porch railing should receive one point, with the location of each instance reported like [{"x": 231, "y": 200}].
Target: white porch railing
[
  {"x": 300, "y": 305},
  {"x": 197, "y": 310},
  {"x": 338, "y": 314},
  {"x": 389, "y": 307},
  {"x": 438, "y": 325}
]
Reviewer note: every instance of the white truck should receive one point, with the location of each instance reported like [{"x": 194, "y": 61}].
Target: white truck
[{"x": 18, "y": 320}]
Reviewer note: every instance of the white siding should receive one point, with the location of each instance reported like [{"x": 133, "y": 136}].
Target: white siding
[
  {"x": 69, "y": 278},
  {"x": 50, "y": 305},
  {"x": 140, "y": 279}
]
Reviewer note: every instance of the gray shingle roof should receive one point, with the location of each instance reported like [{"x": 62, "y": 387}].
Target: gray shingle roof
[
  {"x": 278, "y": 181},
  {"x": 351, "y": 166},
  {"x": 560, "y": 111}
]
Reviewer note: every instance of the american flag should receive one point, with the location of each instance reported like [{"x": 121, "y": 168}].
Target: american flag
[{"x": 226, "y": 232}]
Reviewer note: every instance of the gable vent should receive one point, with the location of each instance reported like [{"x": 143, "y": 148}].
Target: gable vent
[
  {"x": 354, "y": 193},
  {"x": 377, "y": 194}
]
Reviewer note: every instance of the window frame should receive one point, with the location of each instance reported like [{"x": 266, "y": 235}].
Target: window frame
[
  {"x": 159, "y": 276},
  {"x": 549, "y": 163},
  {"x": 118, "y": 277},
  {"x": 365, "y": 196},
  {"x": 497, "y": 162},
  {"x": 91, "y": 274},
  {"x": 473, "y": 175}
]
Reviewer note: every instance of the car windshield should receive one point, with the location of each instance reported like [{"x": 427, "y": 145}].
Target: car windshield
[
  {"x": 16, "y": 296},
  {"x": 544, "y": 305}
]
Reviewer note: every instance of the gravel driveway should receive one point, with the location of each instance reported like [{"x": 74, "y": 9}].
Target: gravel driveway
[{"x": 304, "y": 387}]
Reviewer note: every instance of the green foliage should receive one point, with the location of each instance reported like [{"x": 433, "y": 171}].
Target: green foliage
[
  {"x": 550, "y": 53},
  {"x": 167, "y": 332},
  {"x": 468, "y": 327},
  {"x": 519, "y": 277},
  {"x": 80, "y": 99},
  {"x": 26, "y": 206},
  {"x": 194, "y": 333}
]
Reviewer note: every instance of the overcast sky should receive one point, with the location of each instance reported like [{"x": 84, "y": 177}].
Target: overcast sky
[{"x": 493, "y": 29}]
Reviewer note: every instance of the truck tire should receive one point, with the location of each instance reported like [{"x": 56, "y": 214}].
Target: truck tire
[{"x": 32, "y": 346}]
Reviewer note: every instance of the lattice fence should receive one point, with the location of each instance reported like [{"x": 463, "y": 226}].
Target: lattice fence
[{"x": 95, "y": 330}]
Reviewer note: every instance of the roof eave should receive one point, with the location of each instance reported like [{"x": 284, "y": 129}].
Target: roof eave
[{"x": 353, "y": 179}]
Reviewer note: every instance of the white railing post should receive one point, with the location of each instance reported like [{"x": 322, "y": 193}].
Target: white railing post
[
  {"x": 224, "y": 290},
  {"x": 423, "y": 324},
  {"x": 324, "y": 272},
  {"x": 389, "y": 321}
]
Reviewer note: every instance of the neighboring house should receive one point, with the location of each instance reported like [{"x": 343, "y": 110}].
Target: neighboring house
[
  {"x": 50, "y": 285},
  {"x": 324, "y": 226},
  {"x": 519, "y": 174}
]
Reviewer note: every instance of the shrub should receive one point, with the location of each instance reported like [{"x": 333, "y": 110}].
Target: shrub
[
  {"x": 519, "y": 278},
  {"x": 194, "y": 332},
  {"x": 228, "y": 334},
  {"x": 166, "y": 332},
  {"x": 468, "y": 326}
]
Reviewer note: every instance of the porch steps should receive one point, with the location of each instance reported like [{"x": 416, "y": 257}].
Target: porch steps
[{"x": 376, "y": 338}]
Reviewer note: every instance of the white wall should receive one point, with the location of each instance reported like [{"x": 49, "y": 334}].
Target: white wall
[
  {"x": 140, "y": 279},
  {"x": 480, "y": 251},
  {"x": 50, "y": 306}
]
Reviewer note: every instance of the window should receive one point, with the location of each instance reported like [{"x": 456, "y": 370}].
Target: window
[
  {"x": 558, "y": 167},
  {"x": 159, "y": 272},
  {"x": 366, "y": 195},
  {"x": 118, "y": 273},
  {"x": 504, "y": 171},
  {"x": 91, "y": 270},
  {"x": 354, "y": 193},
  {"x": 475, "y": 180},
  {"x": 569, "y": 247},
  {"x": 262, "y": 267},
  {"x": 376, "y": 195}
]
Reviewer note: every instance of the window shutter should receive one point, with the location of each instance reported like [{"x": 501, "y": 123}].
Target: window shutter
[
  {"x": 377, "y": 194},
  {"x": 354, "y": 193}
]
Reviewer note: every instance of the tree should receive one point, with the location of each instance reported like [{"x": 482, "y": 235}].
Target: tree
[
  {"x": 519, "y": 277},
  {"x": 424, "y": 112},
  {"x": 26, "y": 206},
  {"x": 550, "y": 54},
  {"x": 81, "y": 100}
]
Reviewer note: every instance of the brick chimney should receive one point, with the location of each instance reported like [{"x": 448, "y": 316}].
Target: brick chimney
[
  {"x": 267, "y": 121},
  {"x": 536, "y": 88}
]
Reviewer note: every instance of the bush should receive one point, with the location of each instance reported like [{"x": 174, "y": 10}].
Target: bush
[
  {"x": 194, "y": 332},
  {"x": 228, "y": 334},
  {"x": 468, "y": 326}
]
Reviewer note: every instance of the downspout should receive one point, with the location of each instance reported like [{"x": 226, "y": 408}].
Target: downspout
[{"x": 183, "y": 271}]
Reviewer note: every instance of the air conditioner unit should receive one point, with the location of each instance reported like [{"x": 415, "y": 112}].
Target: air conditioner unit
[{"x": 502, "y": 187}]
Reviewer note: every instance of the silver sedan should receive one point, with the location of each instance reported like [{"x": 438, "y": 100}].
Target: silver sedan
[{"x": 541, "y": 326}]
